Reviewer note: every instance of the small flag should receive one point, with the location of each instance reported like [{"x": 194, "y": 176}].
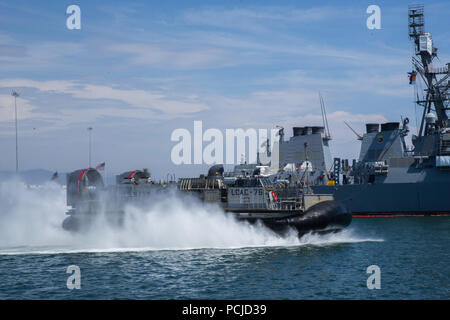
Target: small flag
[
  {"x": 55, "y": 176},
  {"x": 412, "y": 77},
  {"x": 100, "y": 166}
]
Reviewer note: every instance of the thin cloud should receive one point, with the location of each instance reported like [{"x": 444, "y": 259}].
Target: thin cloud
[
  {"x": 175, "y": 57},
  {"x": 141, "y": 99},
  {"x": 256, "y": 19},
  {"x": 7, "y": 113}
]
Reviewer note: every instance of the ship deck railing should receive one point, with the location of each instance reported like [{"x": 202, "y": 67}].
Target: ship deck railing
[{"x": 444, "y": 147}]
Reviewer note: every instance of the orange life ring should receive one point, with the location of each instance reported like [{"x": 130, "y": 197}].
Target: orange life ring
[{"x": 274, "y": 196}]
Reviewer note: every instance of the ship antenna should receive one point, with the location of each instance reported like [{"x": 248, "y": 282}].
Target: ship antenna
[
  {"x": 324, "y": 117},
  {"x": 358, "y": 135},
  {"x": 434, "y": 78}
]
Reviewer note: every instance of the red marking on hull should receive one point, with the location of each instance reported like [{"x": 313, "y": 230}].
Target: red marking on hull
[
  {"x": 398, "y": 215},
  {"x": 79, "y": 180}
]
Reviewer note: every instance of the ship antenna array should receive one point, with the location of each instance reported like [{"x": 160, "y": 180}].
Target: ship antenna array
[
  {"x": 435, "y": 79},
  {"x": 357, "y": 134},
  {"x": 324, "y": 117},
  {"x": 416, "y": 22}
]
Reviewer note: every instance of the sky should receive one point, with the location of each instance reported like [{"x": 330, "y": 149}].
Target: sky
[{"x": 138, "y": 70}]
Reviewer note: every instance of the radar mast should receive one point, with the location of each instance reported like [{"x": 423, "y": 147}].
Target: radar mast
[{"x": 435, "y": 79}]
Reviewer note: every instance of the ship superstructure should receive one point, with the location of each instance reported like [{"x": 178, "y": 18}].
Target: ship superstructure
[{"x": 389, "y": 177}]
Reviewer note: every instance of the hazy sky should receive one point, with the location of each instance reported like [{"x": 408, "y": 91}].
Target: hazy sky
[{"x": 137, "y": 70}]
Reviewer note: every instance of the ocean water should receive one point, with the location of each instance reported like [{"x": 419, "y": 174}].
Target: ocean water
[{"x": 176, "y": 250}]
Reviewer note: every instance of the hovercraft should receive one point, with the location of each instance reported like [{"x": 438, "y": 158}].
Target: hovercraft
[
  {"x": 278, "y": 200},
  {"x": 281, "y": 200}
]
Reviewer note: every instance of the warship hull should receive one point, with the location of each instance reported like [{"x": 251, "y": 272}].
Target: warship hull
[
  {"x": 391, "y": 178},
  {"x": 427, "y": 198}
]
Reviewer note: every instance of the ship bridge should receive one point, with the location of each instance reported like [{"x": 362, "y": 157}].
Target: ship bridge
[
  {"x": 308, "y": 144},
  {"x": 382, "y": 145}
]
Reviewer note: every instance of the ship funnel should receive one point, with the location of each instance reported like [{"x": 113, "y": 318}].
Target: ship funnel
[
  {"x": 320, "y": 130},
  {"x": 297, "y": 131},
  {"x": 372, "y": 127},
  {"x": 307, "y": 131},
  {"x": 389, "y": 126}
]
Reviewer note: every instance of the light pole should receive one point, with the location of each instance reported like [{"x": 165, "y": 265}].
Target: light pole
[
  {"x": 90, "y": 142},
  {"x": 15, "y": 94}
]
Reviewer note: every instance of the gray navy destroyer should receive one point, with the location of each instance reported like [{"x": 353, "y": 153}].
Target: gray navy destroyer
[{"x": 389, "y": 177}]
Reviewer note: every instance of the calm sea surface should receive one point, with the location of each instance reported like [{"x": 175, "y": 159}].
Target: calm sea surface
[{"x": 412, "y": 254}]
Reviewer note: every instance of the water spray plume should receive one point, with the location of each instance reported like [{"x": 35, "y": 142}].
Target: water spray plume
[{"x": 30, "y": 222}]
